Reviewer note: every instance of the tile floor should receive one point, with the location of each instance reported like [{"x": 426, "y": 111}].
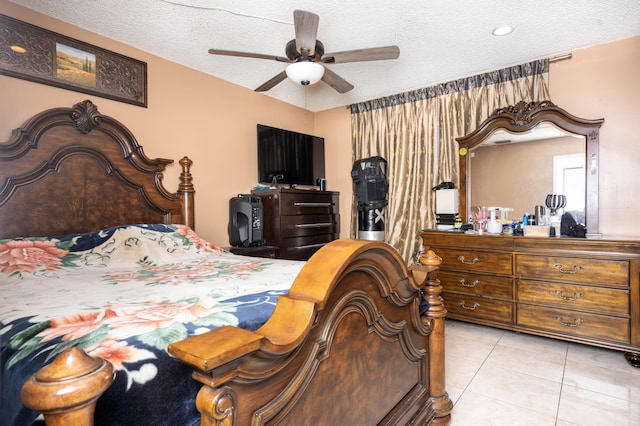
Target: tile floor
[{"x": 497, "y": 377}]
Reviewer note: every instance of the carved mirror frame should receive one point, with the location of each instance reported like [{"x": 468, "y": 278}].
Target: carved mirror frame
[{"x": 523, "y": 117}]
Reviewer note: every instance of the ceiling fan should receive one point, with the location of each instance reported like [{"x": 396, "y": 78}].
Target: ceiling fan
[{"x": 306, "y": 56}]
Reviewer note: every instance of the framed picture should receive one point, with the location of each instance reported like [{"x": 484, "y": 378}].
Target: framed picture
[{"x": 35, "y": 54}]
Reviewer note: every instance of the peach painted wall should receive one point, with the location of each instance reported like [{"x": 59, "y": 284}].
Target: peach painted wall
[
  {"x": 335, "y": 126},
  {"x": 189, "y": 113},
  {"x": 603, "y": 82}
]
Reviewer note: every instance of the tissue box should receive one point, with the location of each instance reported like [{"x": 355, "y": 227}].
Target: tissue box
[
  {"x": 536, "y": 231},
  {"x": 447, "y": 201}
]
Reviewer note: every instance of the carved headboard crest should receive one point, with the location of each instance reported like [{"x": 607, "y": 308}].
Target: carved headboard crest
[
  {"x": 522, "y": 112},
  {"x": 86, "y": 116}
]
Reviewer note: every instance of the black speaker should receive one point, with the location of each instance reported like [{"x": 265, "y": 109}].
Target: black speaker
[{"x": 246, "y": 218}]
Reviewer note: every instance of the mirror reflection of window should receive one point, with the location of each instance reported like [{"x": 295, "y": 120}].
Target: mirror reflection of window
[{"x": 568, "y": 179}]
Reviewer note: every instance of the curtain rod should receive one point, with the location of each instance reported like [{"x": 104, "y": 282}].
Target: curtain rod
[{"x": 560, "y": 58}]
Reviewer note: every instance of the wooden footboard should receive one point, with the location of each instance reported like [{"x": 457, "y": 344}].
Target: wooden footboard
[{"x": 346, "y": 345}]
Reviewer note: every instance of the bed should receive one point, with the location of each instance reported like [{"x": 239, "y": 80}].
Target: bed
[{"x": 115, "y": 311}]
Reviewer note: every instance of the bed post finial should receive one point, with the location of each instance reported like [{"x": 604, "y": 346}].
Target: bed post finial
[
  {"x": 66, "y": 390},
  {"x": 436, "y": 311},
  {"x": 186, "y": 192},
  {"x": 86, "y": 116}
]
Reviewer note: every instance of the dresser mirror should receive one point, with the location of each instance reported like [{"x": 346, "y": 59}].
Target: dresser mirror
[{"x": 509, "y": 161}]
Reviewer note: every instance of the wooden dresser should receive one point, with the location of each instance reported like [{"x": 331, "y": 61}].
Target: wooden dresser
[
  {"x": 299, "y": 221},
  {"x": 582, "y": 290}
]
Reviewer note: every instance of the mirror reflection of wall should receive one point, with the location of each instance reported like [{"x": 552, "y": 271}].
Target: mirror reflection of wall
[{"x": 521, "y": 174}]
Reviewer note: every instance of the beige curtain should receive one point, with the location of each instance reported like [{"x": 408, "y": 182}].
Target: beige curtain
[{"x": 415, "y": 132}]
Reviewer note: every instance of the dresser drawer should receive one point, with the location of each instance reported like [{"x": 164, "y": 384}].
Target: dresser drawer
[
  {"x": 574, "y": 323},
  {"x": 309, "y": 224},
  {"x": 464, "y": 282},
  {"x": 478, "y": 307},
  {"x": 312, "y": 203},
  {"x": 611, "y": 272},
  {"x": 574, "y": 296},
  {"x": 301, "y": 248},
  {"x": 475, "y": 260}
]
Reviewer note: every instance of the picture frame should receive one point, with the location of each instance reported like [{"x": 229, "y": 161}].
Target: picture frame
[{"x": 35, "y": 54}]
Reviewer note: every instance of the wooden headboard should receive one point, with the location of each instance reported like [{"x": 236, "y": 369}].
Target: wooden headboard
[{"x": 70, "y": 170}]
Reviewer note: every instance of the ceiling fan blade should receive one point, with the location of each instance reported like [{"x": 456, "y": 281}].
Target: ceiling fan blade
[
  {"x": 248, "y": 55},
  {"x": 306, "y": 26},
  {"x": 361, "y": 55},
  {"x": 334, "y": 80},
  {"x": 271, "y": 83}
]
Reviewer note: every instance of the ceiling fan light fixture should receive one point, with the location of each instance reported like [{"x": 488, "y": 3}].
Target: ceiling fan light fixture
[{"x": 305, "y": 73}]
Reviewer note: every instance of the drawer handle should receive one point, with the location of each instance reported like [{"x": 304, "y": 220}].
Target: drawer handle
[
  {"x": 308, "y": 246},
  {"x": 464, "y": 284},
  {"x": 475, "y": 306},
  {"x": 313, "y": 225},
  {"x": 576, "y": 322},
  {"x": 302, "y": 204},
  {"x": 560, "y": 268},
  {"x": 473, "y": 261},
  {"x": 576, "y": 295}
]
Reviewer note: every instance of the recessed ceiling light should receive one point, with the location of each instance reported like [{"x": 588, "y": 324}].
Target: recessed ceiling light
[{"x": 502, "y": 31}]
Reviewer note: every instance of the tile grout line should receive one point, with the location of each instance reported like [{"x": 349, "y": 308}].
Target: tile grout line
[
  {"x": 564, "y": 371},
  {"x": 480, "y": 367}
]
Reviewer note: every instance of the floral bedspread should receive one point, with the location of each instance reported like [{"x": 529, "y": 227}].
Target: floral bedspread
[{"x": 124, "y": 294}]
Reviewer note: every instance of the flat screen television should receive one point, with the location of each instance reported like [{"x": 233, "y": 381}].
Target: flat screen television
[{"x": 289, "y": 158}]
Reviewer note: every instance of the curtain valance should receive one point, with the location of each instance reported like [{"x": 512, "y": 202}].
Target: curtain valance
[{"x": 460, "y": 85}]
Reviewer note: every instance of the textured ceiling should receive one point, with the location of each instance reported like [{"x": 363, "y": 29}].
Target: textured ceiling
[{"x": 439, "y": 40}]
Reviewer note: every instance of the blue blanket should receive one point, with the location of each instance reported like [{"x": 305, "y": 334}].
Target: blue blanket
[{"x": 124, "y": 294}]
